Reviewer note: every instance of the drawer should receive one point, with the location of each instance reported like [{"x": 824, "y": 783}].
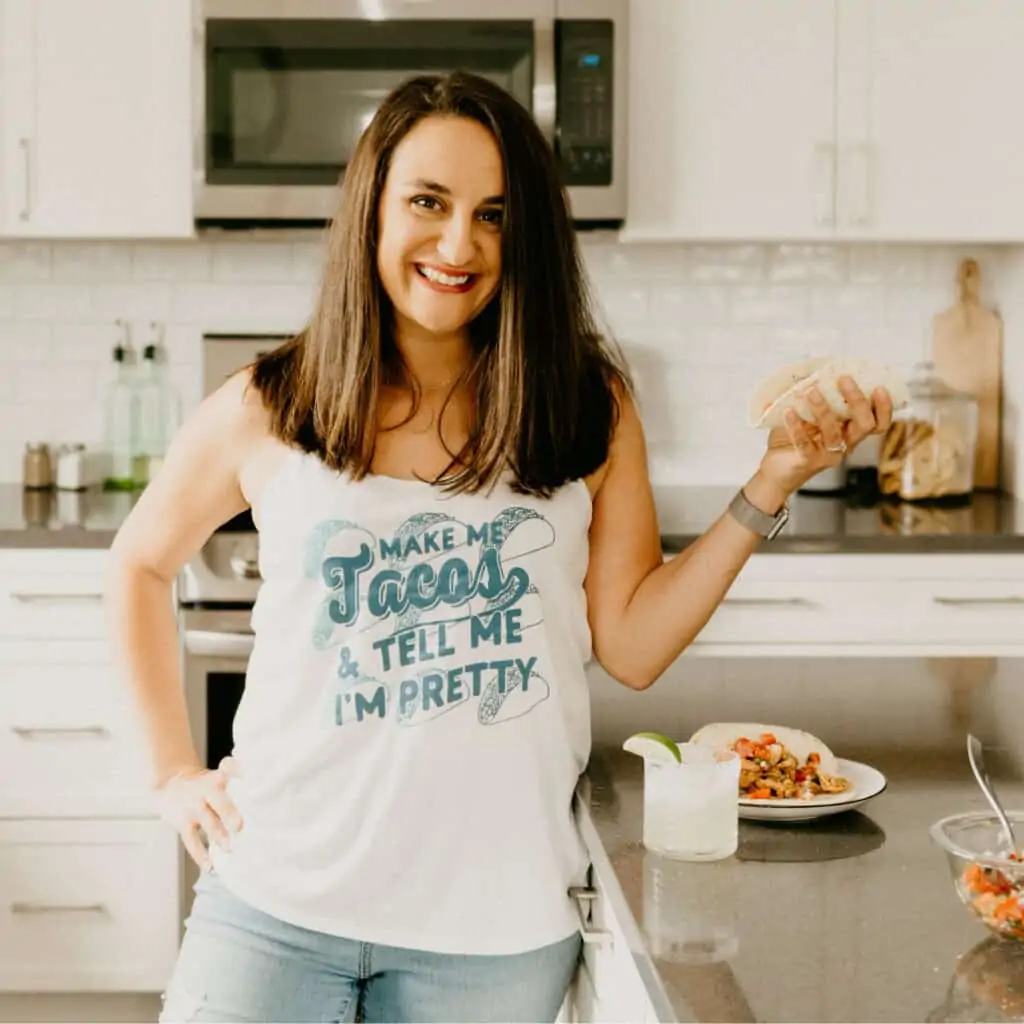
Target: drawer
[
  {"x": 69, "y": 735},
  {"x": 52, "y": 594},
  {"x": 609, "y": 977},
  {"x": 89, "y": 906},
  {"x": 851, "y": 612}
]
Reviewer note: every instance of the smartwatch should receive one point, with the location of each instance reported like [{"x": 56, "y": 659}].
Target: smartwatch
[{"x": 747, "y": 514}]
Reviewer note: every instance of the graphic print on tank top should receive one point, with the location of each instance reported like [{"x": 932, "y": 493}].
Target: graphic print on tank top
[{"x": 439, "y": 616}]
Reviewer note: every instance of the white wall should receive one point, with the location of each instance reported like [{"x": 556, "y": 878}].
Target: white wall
[{"x": 700, "y": 324}]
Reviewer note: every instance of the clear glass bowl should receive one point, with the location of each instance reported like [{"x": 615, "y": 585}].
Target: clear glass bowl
[{"x": 989, "y": 883}]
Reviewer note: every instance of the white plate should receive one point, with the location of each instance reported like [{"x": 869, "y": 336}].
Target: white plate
[{"x": 865, "y": 782}]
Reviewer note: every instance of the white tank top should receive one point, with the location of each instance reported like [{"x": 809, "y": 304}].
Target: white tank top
[{"x": 415, "y": 716}]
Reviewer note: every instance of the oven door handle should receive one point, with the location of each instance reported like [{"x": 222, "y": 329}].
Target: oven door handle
[{"x": 214, "y": 643}]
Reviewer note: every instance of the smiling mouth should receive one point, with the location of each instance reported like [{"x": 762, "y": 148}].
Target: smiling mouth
[{"x": 444, "y": 281}]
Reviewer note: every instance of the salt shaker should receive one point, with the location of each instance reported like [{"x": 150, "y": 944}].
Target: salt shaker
[
  {"x": 37, "y": 468},
  {"x": 71, "y": 468}
]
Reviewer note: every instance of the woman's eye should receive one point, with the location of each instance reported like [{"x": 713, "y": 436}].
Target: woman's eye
[
  {"x": 426, "y": 203},
  {"x": 491, "y": 216}
]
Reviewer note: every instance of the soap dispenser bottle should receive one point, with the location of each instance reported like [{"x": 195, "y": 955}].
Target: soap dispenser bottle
[{"x": 120, "y": 407}]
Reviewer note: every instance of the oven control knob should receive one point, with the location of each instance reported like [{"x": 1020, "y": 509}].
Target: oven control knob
[{"x": 244, "y": 567}]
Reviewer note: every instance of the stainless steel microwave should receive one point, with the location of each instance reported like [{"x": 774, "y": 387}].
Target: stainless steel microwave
[{"x": 284, "y": 88}]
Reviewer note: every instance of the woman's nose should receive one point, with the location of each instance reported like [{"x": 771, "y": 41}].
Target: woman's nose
[{"x": 456, "y": 245}]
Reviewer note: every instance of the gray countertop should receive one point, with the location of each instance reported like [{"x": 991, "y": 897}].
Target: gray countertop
[
  {"x": 61, "y": 519},
  {"x": 826, "y": 524},
  {"x": 852, "y": 918}
]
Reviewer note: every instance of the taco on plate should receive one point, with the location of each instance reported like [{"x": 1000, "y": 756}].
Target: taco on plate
[
  {"x": 788, "y": 387},
  {"x": 776, "y": 762}
]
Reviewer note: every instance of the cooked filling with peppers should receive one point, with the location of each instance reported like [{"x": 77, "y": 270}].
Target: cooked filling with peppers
[
  {"x": 996, "y": 898},
  {"x": 770, "y": 771}
]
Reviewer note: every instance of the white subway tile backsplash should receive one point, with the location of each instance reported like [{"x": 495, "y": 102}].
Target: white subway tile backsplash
[
  {"x": 143, "y": 301},
  {"x": 771, "y": 304},
  {"x": 91, "y": 262},
  {"x": 24, "y": 342},
  {"x": 183, "y": 261},
  {"x": 25, "y": 261},
  {"x": 846, "y": 305},
  {"x": 800, "y": 264},
  {"x": 248, "y": 262},
  {"x": 728, "y": 264},
  {"x": 242, "y": 307},
  {"x": 699, "y": 324},
  {"x": 53, "y": 301}
]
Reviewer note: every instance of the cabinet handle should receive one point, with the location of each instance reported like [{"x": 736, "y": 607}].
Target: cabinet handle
[
  {"x": 26, "y": 152},
  {"x": 544, "y": 109},
  {"x": 966, "y": 602},
  {"x": 857, "y": 180},
  {"x": 825, "y": 184},
  {"x": 25, "y": 598},
  {"x": 58, "y": 908},
  {"x": 783, "y": 602},
  {"x": 583, "y": 895},
  {"x": 27, "y": 732}
]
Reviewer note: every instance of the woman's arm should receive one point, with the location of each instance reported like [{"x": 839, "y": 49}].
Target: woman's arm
[
  {"x": 644, "y": 612},
  {"x": 196, "y": 490}
]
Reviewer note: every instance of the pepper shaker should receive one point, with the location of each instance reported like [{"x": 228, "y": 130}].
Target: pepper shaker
[{"x": 37, "y": 467}]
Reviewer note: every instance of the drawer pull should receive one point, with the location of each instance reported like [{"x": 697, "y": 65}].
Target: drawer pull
[
  {"x": 58, "y": 908},
  {"x": 966, "y": 602},
  {"x": 790, "y": 602},
  {"x": 582, "y": 895},
  {"x": 26, "y": 598},
  {"x": 45, "y": 732}
]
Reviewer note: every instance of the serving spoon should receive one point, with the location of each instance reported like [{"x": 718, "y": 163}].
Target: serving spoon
[{"x": 976, "y": 756}]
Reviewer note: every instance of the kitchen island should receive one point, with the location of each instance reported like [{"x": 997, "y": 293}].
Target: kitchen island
[{"x": 852, "y": 918}]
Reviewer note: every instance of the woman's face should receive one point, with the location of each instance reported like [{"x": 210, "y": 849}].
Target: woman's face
[{"x": 440, "y": 216}]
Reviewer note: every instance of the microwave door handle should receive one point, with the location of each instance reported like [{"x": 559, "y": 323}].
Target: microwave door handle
[{"x": 544, "y": 108}]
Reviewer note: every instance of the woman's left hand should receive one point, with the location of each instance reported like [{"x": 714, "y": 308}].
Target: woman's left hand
[{"x": 800, "y": 450}]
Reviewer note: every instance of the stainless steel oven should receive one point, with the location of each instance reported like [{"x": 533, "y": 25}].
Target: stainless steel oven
[{"x": 284, "y": 88}]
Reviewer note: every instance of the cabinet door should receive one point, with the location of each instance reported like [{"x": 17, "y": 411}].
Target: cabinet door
[
  {"x": 732, "y": 128},
  {"x": 928, "y": 144},
  {"x": 15, "y": 113},
  {"x": 106, "y": 151}
]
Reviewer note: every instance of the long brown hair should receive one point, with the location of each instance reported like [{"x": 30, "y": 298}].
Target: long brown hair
[{"x": 546, "y": 383}]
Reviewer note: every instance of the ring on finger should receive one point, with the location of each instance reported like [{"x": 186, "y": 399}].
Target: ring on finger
[{"x": 839, "y": 449}]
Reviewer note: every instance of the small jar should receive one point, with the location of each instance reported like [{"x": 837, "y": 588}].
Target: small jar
[
  {"x": 928, "y": 452},
  {"x": 71, "y": 468},
  {"x": 37, "y": 468}
]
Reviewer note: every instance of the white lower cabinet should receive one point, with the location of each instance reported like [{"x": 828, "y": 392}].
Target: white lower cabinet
[
  {"x": 87, "y": 906},
  {"x": 608, "y": 985},
  {"x": 90, "y": 899}
]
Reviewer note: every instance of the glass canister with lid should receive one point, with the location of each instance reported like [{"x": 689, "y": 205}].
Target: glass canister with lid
[{"x": 928, "y": 452}]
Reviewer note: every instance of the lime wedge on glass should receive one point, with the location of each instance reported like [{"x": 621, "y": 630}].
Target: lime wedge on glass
[{"x": 653, "y": 746}]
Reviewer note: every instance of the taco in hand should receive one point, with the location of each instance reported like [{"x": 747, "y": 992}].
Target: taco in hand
[
  {"x": 776, "y": 762},
  {"x": 788, "y": 387}
]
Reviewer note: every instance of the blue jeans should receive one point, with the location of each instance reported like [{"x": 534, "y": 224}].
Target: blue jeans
[{"x": 238, "y": 964}]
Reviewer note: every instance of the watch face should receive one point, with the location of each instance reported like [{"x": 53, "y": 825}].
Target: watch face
[{"x": 780, "y": 522}]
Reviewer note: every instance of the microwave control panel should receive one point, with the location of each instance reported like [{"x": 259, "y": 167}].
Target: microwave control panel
[{"x": 586, "y": 94}]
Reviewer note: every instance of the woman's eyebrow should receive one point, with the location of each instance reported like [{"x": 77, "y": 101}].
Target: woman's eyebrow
[{"x": 443, "y": 190}]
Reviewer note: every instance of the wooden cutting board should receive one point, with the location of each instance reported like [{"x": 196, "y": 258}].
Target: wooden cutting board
[{"x": 967, "y": 350}]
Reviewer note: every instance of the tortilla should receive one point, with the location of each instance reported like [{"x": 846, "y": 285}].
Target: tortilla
[
  {"x": 778, "y": 382},
  {"x": 721, "y": 736},
  {"x": 774, "y": 395}
]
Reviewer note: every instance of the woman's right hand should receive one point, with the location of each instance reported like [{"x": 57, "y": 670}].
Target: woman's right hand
[{"x": 195, "y": 802}]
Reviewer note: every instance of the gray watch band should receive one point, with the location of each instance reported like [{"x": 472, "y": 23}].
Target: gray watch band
[{"x": 749, "y": 515}]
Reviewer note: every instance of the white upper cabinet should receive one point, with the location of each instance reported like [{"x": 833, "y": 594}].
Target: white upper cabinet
[
  {"x": 826, "y": 120},
  {"x": 930, "y": 146},
  {"x": 95, "y": 118},
  {"x": 731, "y": 117}
]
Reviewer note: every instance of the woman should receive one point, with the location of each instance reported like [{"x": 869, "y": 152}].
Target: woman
[{"x": 448, "y": 474}]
